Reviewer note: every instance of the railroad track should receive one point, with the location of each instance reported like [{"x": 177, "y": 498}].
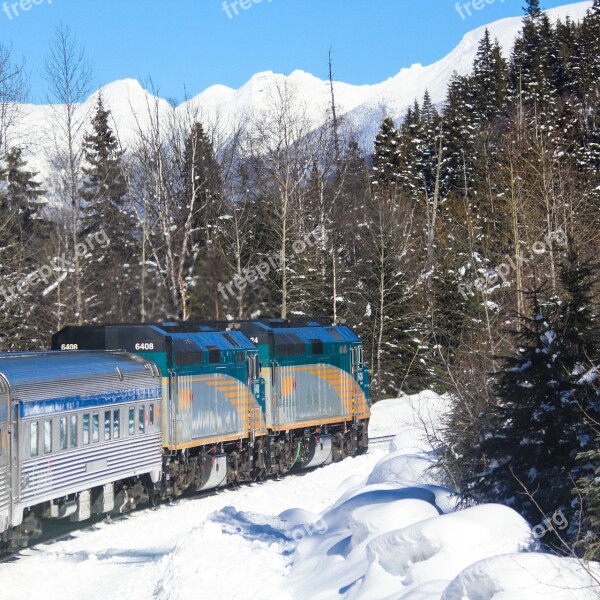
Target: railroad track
[{"x": 378, "y": 441}]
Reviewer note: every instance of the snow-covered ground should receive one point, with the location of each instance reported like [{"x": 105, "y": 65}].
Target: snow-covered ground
[{"x": 375, "y": 527}]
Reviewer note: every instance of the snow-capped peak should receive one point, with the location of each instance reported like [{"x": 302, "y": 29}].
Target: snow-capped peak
[{"x": 364, "y": 106}]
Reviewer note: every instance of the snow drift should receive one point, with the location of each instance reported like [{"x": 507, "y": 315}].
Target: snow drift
[{"x": 377, "y": 527}]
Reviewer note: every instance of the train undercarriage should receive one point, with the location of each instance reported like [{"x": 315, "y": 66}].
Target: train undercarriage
[
  {"x": 203, "y": 469},
  {"x": 248, "y": 460}
]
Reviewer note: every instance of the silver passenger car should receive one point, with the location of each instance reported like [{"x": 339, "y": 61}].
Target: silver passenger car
[{"x": 72, "y": 424}]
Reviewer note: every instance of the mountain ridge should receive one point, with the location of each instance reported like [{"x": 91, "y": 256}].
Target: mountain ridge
[{"x": 362, "y": 106}]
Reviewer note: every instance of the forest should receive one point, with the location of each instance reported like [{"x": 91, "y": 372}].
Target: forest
[{"x": 461, "y": 245}]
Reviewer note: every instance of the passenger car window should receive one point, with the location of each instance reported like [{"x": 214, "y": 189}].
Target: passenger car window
[
  {"x": 152, "y": 414},
  {"x": 47, "y": 437},
  {"x": 73, "y": 432},
  {"x": 116, "y": 424},
  {"x": 142, "y": 423},
  {"x": 86, "y": 429},
  {"x": 95, "y": 427},
  {"x": 131, "y": 420},
  {"x": 33, "y": 439},
  {"x": 63, "y": 433},
  {"x": 107, "y": 425}
]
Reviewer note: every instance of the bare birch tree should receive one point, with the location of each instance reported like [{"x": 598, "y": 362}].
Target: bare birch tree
[
  {"x": 69, "y": 77},
  {"x": 282, "y": 155},
  {"x": 13, "y": 93}
]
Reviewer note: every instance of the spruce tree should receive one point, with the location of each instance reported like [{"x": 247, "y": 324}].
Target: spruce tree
[
  {"x": 588, "y": 55},
  {"x": 567, "y": 62},
  {"x": 203, "y": 201},
  {"x": 203, "y": 186},
  {"x": 386, "y": 159},
  {"x": 489, "y": 81},
  {"x": 22, "y": 196},
  {"x": 459, "y": 172},
  {"x": 393, "y": 329},
  {"x": 347, "y": 239},
  {"x": 582, "y": 341},
  {"x": 409, "y": 175},
  {"x": 109, "y": 268},
  {"x": 589, "y": 490},
  {"x": 529, "y": 448},
  {"x": 533, "y": 69},
  {"x": 23, "y": 231},
  {"x": 533, "y": 10},
  {"x": 429, "y": 137}
]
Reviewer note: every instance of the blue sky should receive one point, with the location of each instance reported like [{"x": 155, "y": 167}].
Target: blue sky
[{"x": 192, "y": 44}]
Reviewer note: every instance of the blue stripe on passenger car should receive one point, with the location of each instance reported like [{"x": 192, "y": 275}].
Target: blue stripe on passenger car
[{"x": 59, "y": 405}]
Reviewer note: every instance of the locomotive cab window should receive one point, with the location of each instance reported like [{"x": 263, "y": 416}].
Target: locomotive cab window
[
  {"x": 214, "y": 355},
  {"x": 317, "y": 346},
  {"x": 253, "y": 367},
  {"x": 358, "y": 356},
  {"x": 231, "y": 340}
]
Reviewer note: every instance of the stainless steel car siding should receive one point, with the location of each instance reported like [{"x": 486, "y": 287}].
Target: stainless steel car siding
[
  {"x": 56, "y": 475},
  {"x": 5, "y": 459},
  {"x": 84, "y": 386}
]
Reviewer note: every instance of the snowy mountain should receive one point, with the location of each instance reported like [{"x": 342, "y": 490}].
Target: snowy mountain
[{"x": 364, "y": 106}]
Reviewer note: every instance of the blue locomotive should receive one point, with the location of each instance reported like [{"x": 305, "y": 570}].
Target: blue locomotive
[{"x": 117, "y": 415}]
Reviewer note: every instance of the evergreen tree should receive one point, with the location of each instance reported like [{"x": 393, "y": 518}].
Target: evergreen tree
[
  {"x": 22, "y": 195},
  {"x": 459, "y": 172},
  {"x": 393, "y": 330},
  {"x": 386, "y": 159},
  {"x": 489, "y": 81},
  {"x": 429, "y": 137},
  {"x": 589, "y": 489},
  {"x": 567, "y": 62},
  {"x": 203, "y": 200},
  {"x": 546, "y": 395},
  {"x": 108, "y": 268},
  {"x": 533, "y": 10},
  {"x": 582, "y": 340},
  {"x": 203, "y": 186},
  {"x": 588, "y": 54},
  {"x": 533, "y": 68},
  {"x": 530, "y": 446},
  {"x": 22, "y": 235},
  {"x": 348, "y": 234},
  {"x": 410, "y": 153}
]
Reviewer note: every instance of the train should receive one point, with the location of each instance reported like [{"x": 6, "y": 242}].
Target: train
[{"x": 118, "y": 415}]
